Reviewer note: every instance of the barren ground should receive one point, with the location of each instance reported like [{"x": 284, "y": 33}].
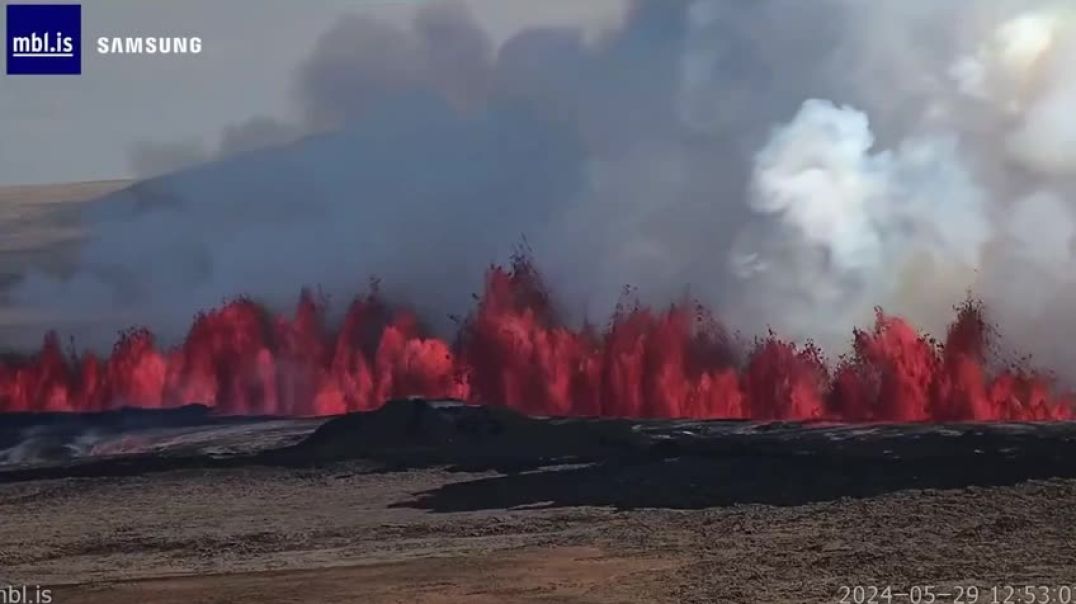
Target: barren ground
[
  {"x": 345, "y": 532},
  {"x": 427, "y": 502}
]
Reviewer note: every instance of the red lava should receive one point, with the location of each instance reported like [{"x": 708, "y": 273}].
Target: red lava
[{"x": 512, "y": 351}]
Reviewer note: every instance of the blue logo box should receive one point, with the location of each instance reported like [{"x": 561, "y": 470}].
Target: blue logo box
[{"x": 44, "y": 39}]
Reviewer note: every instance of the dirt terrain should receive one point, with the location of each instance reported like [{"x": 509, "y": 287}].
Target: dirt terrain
[
  {"x": 331, "y": 513},
  {"x": 344, "y": 533}
]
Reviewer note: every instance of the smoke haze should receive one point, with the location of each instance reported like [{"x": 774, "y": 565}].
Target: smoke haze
[{"x": 791, "y": 164}]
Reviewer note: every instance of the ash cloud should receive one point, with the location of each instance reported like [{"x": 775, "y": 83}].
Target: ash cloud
[{"x": 792, "y": 164}]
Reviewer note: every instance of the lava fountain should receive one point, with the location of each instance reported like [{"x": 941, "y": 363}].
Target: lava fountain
[{"x": 512, "y": 350}]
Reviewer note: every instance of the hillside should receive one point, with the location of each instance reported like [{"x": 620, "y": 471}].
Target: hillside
[{"x": 40, "y": 229}]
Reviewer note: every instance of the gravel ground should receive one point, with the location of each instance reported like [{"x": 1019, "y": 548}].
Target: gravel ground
[{"x": 345, "y": 532}]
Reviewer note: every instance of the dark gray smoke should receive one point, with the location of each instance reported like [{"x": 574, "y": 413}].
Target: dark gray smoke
[{"x": 790, "y": 163}]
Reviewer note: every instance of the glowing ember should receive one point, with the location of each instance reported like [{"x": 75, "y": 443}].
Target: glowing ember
[{"x": 512, "y": 351}]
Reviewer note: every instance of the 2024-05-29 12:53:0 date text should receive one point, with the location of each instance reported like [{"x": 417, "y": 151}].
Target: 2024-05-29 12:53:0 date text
[{"x": 957, "y": 594}]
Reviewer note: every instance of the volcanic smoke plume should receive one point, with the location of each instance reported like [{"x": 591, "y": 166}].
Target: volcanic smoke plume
[{"x": 791, "y": 165}]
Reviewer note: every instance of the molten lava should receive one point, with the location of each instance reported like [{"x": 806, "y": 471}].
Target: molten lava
[{"x": 512, "y": 351}]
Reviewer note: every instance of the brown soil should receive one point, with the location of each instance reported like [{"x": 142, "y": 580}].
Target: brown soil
[
  {"x": 344, "y": 533},
  {"x": 561, "y": 574}
]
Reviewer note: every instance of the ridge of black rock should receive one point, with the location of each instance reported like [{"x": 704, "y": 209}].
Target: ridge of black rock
[
  {"x": 591, "y": 461},
  {"x": 125, "y": 417},
  {"x": 421, "y": 432}
]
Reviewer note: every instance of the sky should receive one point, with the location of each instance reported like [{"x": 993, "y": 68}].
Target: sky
[{"x": 61, "y": 129}]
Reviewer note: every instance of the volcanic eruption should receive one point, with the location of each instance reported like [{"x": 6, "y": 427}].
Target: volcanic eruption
[
  {"x": 698, "y": 151},
  {"x": 674, "y": 363}
]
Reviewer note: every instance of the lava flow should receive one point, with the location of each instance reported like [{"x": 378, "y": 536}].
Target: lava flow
[{"x": 511, "y": 351}]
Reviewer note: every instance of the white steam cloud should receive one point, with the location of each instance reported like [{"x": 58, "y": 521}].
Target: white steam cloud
[
  {"x": 792, "y": 164},
  {"x": 843, "y": 223}
]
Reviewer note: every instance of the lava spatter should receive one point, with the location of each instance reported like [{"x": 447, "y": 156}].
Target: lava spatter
[{"x": 512, "y": 350}]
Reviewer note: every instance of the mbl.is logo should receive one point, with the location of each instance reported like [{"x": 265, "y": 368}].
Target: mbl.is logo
[{"x": 44, "y": 39}]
